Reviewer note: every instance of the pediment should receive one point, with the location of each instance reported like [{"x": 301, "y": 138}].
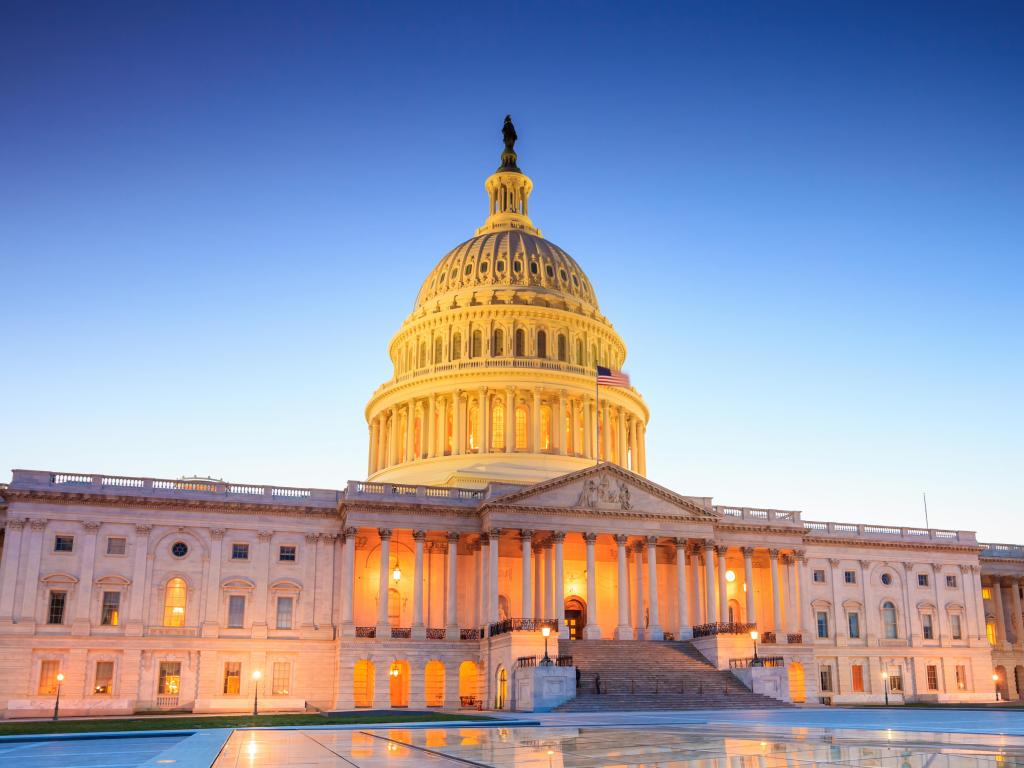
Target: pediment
[{"x": 605, "y": 488}]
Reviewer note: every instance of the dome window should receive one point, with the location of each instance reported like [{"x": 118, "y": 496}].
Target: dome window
[
  {"x": 483, "y": 268},
  {"x": 469, "y": 269},
  {"x": 550, "y": 271},
  {"x": 455, "y": 273},
  {"x": 499, "y": 267},
  {"x": 517, "y": 266},
  {"x": 561, "y": 274},
  {"x": 533, "y": 267},
  {"x": 576, "y": 281}
]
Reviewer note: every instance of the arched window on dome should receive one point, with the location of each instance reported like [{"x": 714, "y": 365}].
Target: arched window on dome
[
  {"x": 545, "y": 428},
  {"x": 567, "y": 431},
  {"x": 542, "y": 344},
  {"x": 594, "y": 359},
  {"x": 520, "y": 342},
  {"x": 497, "y": 427},
  {"x": 438, "y": 349},
  {"x": 478, "y": 343},
  {"x": 521, "y": 435},
  {"x": 417, "y": 437},
  {"x": 457, "y": 346},
  {"x": 498, "y": 345},
  {"x": 563, "y": 353},
  {"x": 579, "y": 353},
  {"x": 423, "y": 354}
]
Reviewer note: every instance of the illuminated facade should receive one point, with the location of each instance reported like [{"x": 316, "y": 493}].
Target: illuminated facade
[{"x": 502, "y": 492}]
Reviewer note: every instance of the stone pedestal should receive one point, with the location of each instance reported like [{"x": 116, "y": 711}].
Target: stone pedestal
[{"x": 541, "y": 689}]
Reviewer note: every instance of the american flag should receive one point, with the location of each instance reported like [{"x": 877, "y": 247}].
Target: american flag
[{"x": 611, "y": 378}]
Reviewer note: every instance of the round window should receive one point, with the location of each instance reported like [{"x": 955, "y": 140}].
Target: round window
[
  {"x": 179, "y": 549},
  {"x": 887, "y": 579}
]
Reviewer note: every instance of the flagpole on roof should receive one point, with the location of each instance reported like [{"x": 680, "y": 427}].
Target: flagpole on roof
[{"x": 597, "y": 415}]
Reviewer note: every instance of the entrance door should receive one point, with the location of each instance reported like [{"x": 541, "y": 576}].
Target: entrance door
[{"x": 575, "y": 618}]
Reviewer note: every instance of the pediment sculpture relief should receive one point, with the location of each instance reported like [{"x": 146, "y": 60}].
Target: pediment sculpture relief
[{"x": 604, "y": 494}]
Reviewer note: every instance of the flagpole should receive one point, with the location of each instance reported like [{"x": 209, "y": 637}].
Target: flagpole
[{"x": 597, "y": 415}]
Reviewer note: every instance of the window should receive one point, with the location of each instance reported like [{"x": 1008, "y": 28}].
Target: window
[
  {"x": 822, "y": 624},
  {"x": 951, "y": 582},
  {"x": 887, "y": 579},
  {"x": 533, "y": 267},
  {"x": 285, "y": 607},
  {"x": 103, "y": 685},
  {"x": 896, "y": 680},
  {"x": 437, "y": 350},
  {"x": 826, "y": 678},
  {"x": 179, "y": 549},
  {"x": 456, "y": 346},
  {"x": 476, "y": 344},
  {"x": 926, "y": 626},
  {"x": 498, "y": 345},
  {"x": 520, "y": 342},
  {"x": 954, "y": 624},
  {"x": 542, "y": 344},
  {"x": 961, "y": 677},
  {"x": 281, "y": 678},
  {"x": 174, "y": 603},
  {"x": 990, "y": 632},
  {"x": 498, "y": 427},
  {"x": 819, "y": 577},
  {"x": 857, "y": 675},
  {"x": 850, "y": 577},
  {"x": 286, "y": 554},
  {"x": 239, "y": 551},
  {"x": 63, "y": 543},
  {"x": 853, "y": 620},
  {"x": 986, "y": 593},
  {"x": 55, "y": 614},
  {"x": 563, "y": 352},
  {"x": 116, "y": 545},
  {"x": 236, "y": 611},
  {"x": 889, "y": 620},
  {"x": 521, "y": 442},
  {"x": 170, "y": 678},
  {"x": 48, "y": 671},
  {"x": 933, "y": 677},
  {"x": 922, "y": 579},
  {"x": 232, "y": 678},
  {"x": 110, "y": 616}
]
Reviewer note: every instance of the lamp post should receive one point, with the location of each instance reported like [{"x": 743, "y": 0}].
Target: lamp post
[
  {"x": 885, "y": 686},
  {"x": 256, "y": 675},
  {"x": 755, "y": 662},
  {"x": 546, "y": 661},
  {"x": 56, "y": 704},
  {"x": 995, "y": 683}
]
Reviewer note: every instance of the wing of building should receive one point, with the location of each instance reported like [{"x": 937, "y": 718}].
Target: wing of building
[{"x": 505, "y": 499}]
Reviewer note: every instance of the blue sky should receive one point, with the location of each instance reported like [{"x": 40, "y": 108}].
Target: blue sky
[{"x": 805, "y": 219}]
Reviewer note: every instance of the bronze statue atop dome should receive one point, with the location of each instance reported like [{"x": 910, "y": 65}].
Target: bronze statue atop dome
[{"x": 508, "y": 157}]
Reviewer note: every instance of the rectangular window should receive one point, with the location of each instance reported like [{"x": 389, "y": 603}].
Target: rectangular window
[
  {"x": 986, "y": 593},
  {"x": 819, "y": 577},
  {"x": 232, "y": 678},
  {"x": 284, "y": 612},
  {"x": 170, "y": 678},
  {"x": 286, "y": 554},
  {"x": 961, "y": 677},
  {"x": 826, "y": 678},
  {"x": 896, "y": 681},
  {"x": 954, "y": 623},
  {"x": 281, "y": 682},
  {"x": 63, "y": 543},
  {"x": 926, "y": 626},
  {"x": 48, "y": 677},
  {"x": 857, "y": 671},
  {"x": 850, "y": 577},
  {"x": 933, "y": 677},
  {"x": 853, "y": 619},
  {"x": 111, "y": 614},
  {"x": 922, "y": 579},
  {"x": 239, "y": 551},
  {"x": 990, "y": 632},
  {"x": 116, "y": 545},
  {"x": 822, "y": 624},
  {"x": 55, "y": 614},
  {"x": 236, "y": 611},
  {"x": 951, "y": 582},
  {"x": 103, "y": 685}
]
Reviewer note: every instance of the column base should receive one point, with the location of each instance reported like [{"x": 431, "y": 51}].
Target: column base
[
  {"x": 655, "y": 633},
  {"x": 685, "y": 633},
  {"x": 623, "y": 632},
  {"x": 419, "y": 633},
  {"x": 591, "y": 632}
]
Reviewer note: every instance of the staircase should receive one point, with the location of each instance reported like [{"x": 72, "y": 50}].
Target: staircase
[{"x": 638, "y": 674}]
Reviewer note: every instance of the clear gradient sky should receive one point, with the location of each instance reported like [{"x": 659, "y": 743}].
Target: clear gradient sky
[{"x": 805, "y": 219}]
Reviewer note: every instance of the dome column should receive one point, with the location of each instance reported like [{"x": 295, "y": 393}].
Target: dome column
[
  {"x": 393, "y": 439},
  {"x": 559, "y": 431},
  {"x": 457, "y": 423},
  {"x": 484, "y": 417},
  {"x": 410, "y": 420},
  {"x": 633, "y": 464},
  {"x": 642, "y": 439},
  {"x": 374, "y": 440},
  {"x": 622, "y": 441},
  {"x": 431, "y": 434},
  {"x": 588, "y": 429},
  {"x": 535, "y": 420},
  {"x": 606, "y": 443},
  {"x": 442, "y": 419},
  {"x": 510, "y": 421}
]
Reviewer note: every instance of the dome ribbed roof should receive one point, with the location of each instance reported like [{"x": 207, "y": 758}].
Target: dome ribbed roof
[{"x": 507, "y": 259}]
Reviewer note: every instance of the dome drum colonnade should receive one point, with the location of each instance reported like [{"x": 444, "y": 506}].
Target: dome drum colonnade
[{"x": 499, "y": 356}]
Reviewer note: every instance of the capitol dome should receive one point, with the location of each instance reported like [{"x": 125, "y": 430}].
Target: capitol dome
[{"x": 494, "y": 369}]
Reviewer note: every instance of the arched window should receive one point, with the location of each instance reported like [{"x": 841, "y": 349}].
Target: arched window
[
  {"x": 503, "y": 612},
  {"x": 563, "y": 352},
  {"x": 520, "y": 342},
  {"x": 423, "y": 354},
  {"x": 579, "y": 352},
  {"x": 498, "y": 427},
  {"x": 362, "y": 683},
  {"x": 545, "y": 427},
  {"x": 478, "y": 344},
  {"x": 521, "y": 443},
  {"x": 498, "y": 347},
  {"x": 394, "y": 607},
  {"x": 542, "y": 344},
  {"x": 889, "y": 620},
  {"x": 457, "y": 346},
  {"x": 175, "y": 595},
  {"x": 473, "y": 427},
  {"x": 437, "y": 350},
  {"x": 593, "y": 355},
  {"x": 433, "y": 684}
]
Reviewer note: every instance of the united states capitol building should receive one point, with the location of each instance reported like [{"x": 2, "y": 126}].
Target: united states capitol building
[{"x": 505, "y": 499}]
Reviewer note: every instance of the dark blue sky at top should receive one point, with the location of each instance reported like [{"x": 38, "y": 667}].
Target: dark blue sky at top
[{"x": 805, "y": 219}]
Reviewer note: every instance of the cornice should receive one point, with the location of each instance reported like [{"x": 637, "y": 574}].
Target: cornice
[{"x": 813, "y": 538}]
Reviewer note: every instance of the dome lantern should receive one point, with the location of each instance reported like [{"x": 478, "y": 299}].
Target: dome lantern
[{"x": 508, "y": 191}]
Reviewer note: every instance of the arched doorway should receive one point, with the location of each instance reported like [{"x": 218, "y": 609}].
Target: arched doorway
[
  {"x": 501, "y": 689},
  {"x": 398, "y": 675},
  {"x": 797, "y": 687},
  {"x": 1002, "y": 684},
  {"x": 362, "y": 684},
  {"x": 469, "y": 690},
  {"x": 575, "y": 617},
  {"x": 1018, "y": 677},
  {"x": 433, "y": 684}
]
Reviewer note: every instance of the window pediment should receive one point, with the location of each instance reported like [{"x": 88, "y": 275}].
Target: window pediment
[
  {"x": 59, "y": 578},
  {"x": 246, "y": 584},
  {"x": 286, "y": 585},
  {"x": 113, "y": 580}
]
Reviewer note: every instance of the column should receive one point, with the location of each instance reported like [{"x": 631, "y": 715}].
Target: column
[
  {"x": 698, "y": 604},
  {"x": 604, "y": 444},
  {"x": 773, "y": 562},
  {"x": 683, "y": 629},
  {"x": 12, "y": 548},
  {"x": 642, "y": 446},
  {"x": 527, "y": 587},
  {"x": 382, "y": 439},
  {"x": 593, "y": 630},
  {"x": 481, "y": 581},
  {"x": 383, "y": 623},
  {"x": 308, "y": 558},
  {"x": 588, "y": 429},
  {"x": 641, "y": 625},
  {"x": 419, "y": 631},
  {"x": 559, "y": 597},
  {"x": 393, "y": 439},
  {"x": 709, "y": 582},
  {"x": 621, "y": 441},
  {"x": 431, "y": 429},
  {"x": 654, "y": 630},
  {"x": 535, "y": 422},
  {"x": 806, "y": 620},
  {"x": 30, "y": 595},
  {"x": 561, "y": 439},
  {"x": 485, "y": 421},
  {"x": 571, "y": 445},
  {"x": 510, "y": 419},
  {"x": 452, "y": 601},
  {"x": 623, "y": 631},
  {"x": 81, "y": 621},
  {"x": 633, "y": 447},
  {"x": 748, "y": 582},
  {"x": 348, "y": 561},
  {"x": 538, "y": 583},
  {"x": 259, "y": 595},
  {"x": 1018, "y": 620},
  {"x": 549, "y": 581},
  {"x": 997, "y": 604},
  {"x": 458, "y": 441},
  {"x": 492, "y": 578},
  {"x": 976, "y": 583},
  {"x": 792, "y": 617},
  {"x": 442, "y": 425},
  {"x": 374, "y": 439},
  {"x": 723, "y": 588},
  {"x": 410, "y": 428},
  {"x": 211, "y": 619}
]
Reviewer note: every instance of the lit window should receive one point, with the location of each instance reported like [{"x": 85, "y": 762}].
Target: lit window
[
  {"x": 116, "y": 545},
  {"x": 498, "y": 427},
  {"x": 236, "y": 611},
  {"x": 48, "y": 671},
  {"x": 55, "y": 613},
  {"x": 545, "y": 427},
  {"x": 110, "y": 616},
  {"x": 232, "y": 678},
  {"x": 174, "y": 603},
  {"x": 521, "y": 440},
  {"x": 281, "y": 679},
  {"x": 986, "y": 593},
  {"x": 990, "y": 632},
  {"x": 103, "y": 685},
  {"x": 961, "y": 677},
  {"x": 239, "y": 551},
  {"x": 857, "y": 676},
  {"x": 285, "y": 607},
  {"x": 170, "y": 678},
  {"x": 63, "y": 543},
  {"x": 286, "y": 554}
]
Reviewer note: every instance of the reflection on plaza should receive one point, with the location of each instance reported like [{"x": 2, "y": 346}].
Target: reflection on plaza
[{"x": 618, "y": 747}]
